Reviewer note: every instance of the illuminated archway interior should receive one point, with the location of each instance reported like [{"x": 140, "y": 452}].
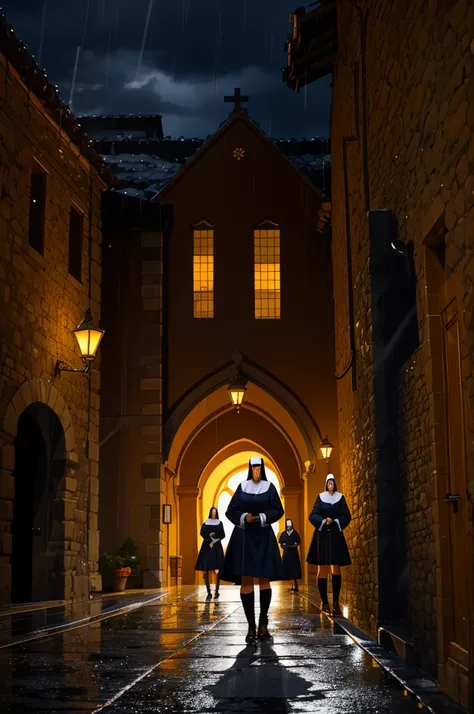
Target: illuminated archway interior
[{"x": 222, "y": 483}]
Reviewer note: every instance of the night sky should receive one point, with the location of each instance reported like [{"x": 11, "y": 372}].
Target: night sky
[{"x": 172, "y": 57}]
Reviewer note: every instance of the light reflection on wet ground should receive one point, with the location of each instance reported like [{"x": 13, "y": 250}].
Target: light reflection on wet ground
[{"x": 307, "y": 668}]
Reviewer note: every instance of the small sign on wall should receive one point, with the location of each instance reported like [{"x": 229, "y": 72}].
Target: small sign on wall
[{"x": 167, "y": 513}]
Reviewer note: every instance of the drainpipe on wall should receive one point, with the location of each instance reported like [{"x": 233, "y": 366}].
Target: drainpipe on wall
[
  {"x": 352, "y": 365},
  {"x": 89, "y": 391},
  {"x": 363, "y": 18}
]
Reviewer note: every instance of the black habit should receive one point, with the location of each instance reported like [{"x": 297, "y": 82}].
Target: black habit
[
  {"x": 328, "y": 546},
  {"x": 211, "y": 558},
  {"x": 290, "y": 541},
  {"x": 253, "y": 549}
]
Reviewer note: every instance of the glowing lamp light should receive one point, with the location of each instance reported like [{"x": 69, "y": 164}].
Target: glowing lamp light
[
  {"x": 326, "y": 449},
  {"x": 88, "y": 338},
  {"x": 237, "y": 391}
]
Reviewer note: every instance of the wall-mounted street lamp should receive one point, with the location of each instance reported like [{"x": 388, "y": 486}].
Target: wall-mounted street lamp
[
  {"x": 237, "y": 390},
  {"x": 326, "y": 449},
  {"x": 88, "y": 338}
]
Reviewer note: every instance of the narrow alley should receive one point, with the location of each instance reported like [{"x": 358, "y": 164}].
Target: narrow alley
[{"x": 178, "y": 654}]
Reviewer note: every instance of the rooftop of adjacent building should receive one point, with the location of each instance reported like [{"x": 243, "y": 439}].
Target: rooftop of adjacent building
[
  {"x": 144, "y": 160},
  {"x": 35, "y": 79},
  {"x": 312, "y": 44}
]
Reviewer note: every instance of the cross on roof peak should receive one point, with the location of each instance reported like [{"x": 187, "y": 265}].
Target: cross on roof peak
[{"x": 237, "y": 98}]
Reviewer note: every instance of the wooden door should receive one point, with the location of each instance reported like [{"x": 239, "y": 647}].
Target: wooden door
[{"x": 456, "y": 487}]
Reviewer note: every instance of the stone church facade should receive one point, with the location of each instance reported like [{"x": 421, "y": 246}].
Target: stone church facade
[
  {"x": 50, "y": 272},
  {"x": 192, "y": 308},
  {"x": 403, "y": 226}
]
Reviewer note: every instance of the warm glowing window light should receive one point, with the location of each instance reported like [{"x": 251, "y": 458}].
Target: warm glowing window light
[
  {"x": 203, "y": 272},
  {"x": 267, "y": 274}
]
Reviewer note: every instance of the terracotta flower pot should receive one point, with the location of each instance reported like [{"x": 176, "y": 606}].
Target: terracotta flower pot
[{"x": 120, "y": 583}]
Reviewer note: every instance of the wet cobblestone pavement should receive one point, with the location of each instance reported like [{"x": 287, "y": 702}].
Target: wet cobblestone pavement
[{"x": 185, "y": 655}]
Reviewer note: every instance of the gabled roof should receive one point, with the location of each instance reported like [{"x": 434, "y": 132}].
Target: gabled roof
[{"x": 236, "y": 116}]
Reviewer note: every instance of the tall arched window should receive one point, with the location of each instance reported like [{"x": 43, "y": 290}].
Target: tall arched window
[
  {"x": 267, "y": 271},
  {"x": 203, "y": 270}
]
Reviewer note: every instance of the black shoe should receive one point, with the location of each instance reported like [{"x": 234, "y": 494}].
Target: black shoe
[
  {"x": 336, "y": 611},
  {"x": 325, "y": 607},
  {"x": 292, "y": 590},
  {"x": 209, "y": 596},
  {"x": 251, "y": 637},
  {"x": 216, "y": 594}
]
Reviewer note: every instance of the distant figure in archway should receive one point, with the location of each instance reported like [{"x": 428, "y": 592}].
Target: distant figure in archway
[
  {"x": 289, "y": 541},
  {"x": 253, "y": 551},
  {"x": 328, "y": 549},
  {"x": 211, "y": 554}
]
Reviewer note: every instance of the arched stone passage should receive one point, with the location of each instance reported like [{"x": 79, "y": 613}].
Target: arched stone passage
[
  {"x": 231, "y": 427},
  {"x": 228, "y": 434},
  {"x": 204, "y": 429},
  {"x": 38, "y": 414},
  {"x": 38, "y": 526},
  {"x": 264, "y": 392}
]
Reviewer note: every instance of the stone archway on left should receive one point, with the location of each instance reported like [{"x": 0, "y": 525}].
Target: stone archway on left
[{"x": 37, "y": 495}]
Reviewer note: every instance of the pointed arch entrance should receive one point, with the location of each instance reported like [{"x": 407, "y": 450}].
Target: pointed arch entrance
[{"x": 204, "y": 431}]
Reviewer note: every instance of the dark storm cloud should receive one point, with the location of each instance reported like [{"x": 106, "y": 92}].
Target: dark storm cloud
[{"x": 178, "y": 64}]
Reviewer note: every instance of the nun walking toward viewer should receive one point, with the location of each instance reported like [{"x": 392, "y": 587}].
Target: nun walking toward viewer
[
  {"x": 211, "y": 554},
  {"x": 328, "y": 549},
  {"x": 253, "y": 553},
  {"x": 289, "y": 541}
]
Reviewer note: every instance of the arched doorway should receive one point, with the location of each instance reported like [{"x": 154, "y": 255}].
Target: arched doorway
[
  {"x": 204, "y": 429},
  {"x": 215, "y": 439},
  {"x": 38, "y": 524}
]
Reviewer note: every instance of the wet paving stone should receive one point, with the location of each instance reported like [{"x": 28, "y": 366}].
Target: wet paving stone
[{"x": 187, "y": 656}]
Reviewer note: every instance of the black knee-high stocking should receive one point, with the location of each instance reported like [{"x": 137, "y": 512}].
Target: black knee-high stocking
[
  {"x": 206, "y": 580},
  {"x": 248, "y": 602},
  {"x": 218, "y": 582},
  {"x": 323, "y": 590},
  {"x": 336, "y": 589},
  {"x": 265, "y": 600}
]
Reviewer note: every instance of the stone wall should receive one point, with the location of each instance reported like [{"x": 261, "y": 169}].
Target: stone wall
[
  {"x": 40, "y": 304},
  {"x": 415, "y": 89},
  {"x": 131, "y": 462}
]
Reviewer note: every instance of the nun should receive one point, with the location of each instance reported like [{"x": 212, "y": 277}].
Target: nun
[
  {"x": 289, "y": 541},
  {"x": 211, "y": 554},
  {"x": 328, "y": 549},
  {"x": 253, "y": 553}
]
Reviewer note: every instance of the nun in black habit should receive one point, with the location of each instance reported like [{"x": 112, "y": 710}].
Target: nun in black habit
[
  {"x": 289, "y": 541},
  {"x": 211, "y": 554},
  {"x": 253, "y": 550},
  {"x": 328, "y": 549}
]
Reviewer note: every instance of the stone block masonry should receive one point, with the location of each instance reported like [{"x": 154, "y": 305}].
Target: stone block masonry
[
  {"x": 131, "y": 460},
  {"x": 404, "y": 91},
  {"x": 40, "y": 305}
]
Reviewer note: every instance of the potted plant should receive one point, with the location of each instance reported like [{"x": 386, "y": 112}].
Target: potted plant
[
  {"x": 121, "y": 576},
  {"x": 113, "y": 571},
  {"x": 128, "y": 552},
  {"x": 116, "y": 569}
]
